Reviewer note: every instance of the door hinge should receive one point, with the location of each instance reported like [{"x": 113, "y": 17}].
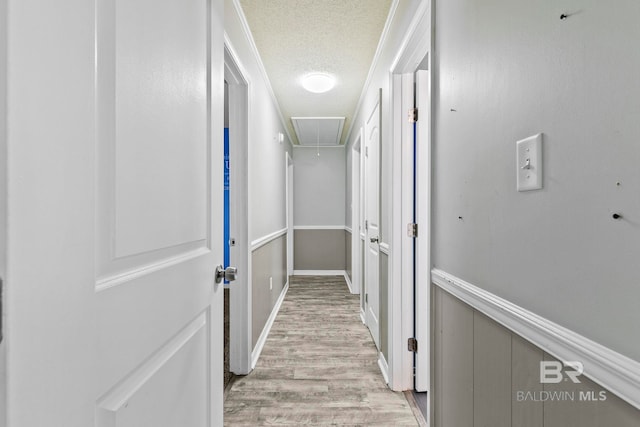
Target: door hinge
[
  {"x": 366, "y": 151},
  {"x": 412, "y": 345},
  {"x": 366, "y": 298},
  {"x": 412, "y": 229},
  {"x": 366, "y": 224},
  {"x": 413, "y": 115},
  {"x": 232, "y": 241}
]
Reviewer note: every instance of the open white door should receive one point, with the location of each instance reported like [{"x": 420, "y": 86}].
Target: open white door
[
  {"x": 372, "y": 161},
  {"x": 115, "y": 200},
  {"x": 422, "y": 297}
]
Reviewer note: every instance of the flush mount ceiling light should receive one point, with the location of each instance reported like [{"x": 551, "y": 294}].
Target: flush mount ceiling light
[{"x": 318, "y": 82}]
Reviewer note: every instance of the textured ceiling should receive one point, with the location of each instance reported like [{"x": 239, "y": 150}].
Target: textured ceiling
[{"x": 296, "y": 37}]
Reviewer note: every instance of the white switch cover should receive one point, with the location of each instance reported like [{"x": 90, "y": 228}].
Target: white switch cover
[{"x": 529, "y": 163}]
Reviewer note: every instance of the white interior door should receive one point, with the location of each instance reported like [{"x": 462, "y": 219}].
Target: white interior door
[
  {"x": 116, "y": 194},
  {"x": 422, "y": 287},
  {"x": 372, "y": 242}
]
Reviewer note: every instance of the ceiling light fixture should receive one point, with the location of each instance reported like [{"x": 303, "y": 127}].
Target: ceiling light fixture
[{"x": 318, "y": 82}]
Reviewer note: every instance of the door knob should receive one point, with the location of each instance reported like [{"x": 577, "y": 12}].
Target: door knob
[
  {"x": 374, "y": 239},
  {"x": 229, "y": 274}
]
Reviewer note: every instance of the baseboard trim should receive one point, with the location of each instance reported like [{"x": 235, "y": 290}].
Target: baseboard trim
[
  {"x": 364, "y": 322},
  {"x": 384, "y": 367},
  {"x": 319, "y": 272},
  {"x": 255, "y": 354},
  {"x": 348, "y": 280},
  {"x": 320, "y": 227},
  {"x": 613, "y": 371}
]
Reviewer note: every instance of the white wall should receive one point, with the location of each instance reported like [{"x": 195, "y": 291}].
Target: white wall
[
  {"x": 319, "y": 186},
  {"x": 512, "y": 69},
  {"x": 266, "y": 156}
]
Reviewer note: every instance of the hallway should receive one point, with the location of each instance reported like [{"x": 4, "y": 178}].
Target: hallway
[{"x": 318, "y": 367}]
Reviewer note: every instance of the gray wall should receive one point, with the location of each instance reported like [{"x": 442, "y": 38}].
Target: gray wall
[
  {"x": 319, "y": 189},
  {"x": 480, "y": 366},
  {"x": 319, "y": 200},
  {"x": 268, "y": 261},
  {"x": 512, "y": 69},
  {"x": 319, "y": 250}
]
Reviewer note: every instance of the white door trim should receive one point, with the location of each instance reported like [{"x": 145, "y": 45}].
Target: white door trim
[
  {"x": 415, "y": 46},
  {"x": 362, "y": 235},
  {"x": 356, "y": 251},
  {"x": 289, "y": 213},
  {"x": 3, "y": 205},
  {"x": 240, "y": 299},
  {"x": 373, "y": 231}
]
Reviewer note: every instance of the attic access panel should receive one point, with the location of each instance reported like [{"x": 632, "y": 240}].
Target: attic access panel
[{"x": 322, "y": 131}]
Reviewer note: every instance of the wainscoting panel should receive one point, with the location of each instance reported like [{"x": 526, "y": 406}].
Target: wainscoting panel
[
  {"x": 491, "y": 371},
  {"x": 453, "y": 362},
  {"x": 525, "y": 375},
  {"x": 486, "y": 375},
  {"x": 577, "y": 409},
  {"x": 319, "y": 249},
  {"x": 268, "y": 265}
]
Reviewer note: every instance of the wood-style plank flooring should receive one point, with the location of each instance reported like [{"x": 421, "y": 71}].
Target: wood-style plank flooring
[{"x": 319, "y": 366}]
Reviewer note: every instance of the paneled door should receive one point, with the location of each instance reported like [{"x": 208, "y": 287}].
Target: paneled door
[
  {"x": 115, "y": 172},
  {"x": 372, "y": 257}
]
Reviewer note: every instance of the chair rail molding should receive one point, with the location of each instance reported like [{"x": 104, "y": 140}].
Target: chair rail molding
[{"x": 612, "y": 370}]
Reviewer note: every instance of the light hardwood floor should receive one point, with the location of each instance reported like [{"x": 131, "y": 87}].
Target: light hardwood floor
[{"x": 319, "y": 366}]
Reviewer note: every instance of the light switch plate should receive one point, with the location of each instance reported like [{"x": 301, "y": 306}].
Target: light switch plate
[{"x": 529, "y": 163}]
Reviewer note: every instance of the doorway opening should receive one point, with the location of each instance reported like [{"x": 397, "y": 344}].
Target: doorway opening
[
  {"x": 410, "y": 319},
  {"x": 237, "y": 312}
]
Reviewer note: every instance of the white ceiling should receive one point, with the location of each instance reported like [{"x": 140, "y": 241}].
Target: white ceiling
[{"x": 296, "y": 37}]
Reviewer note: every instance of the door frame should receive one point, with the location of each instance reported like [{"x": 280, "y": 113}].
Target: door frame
[
  {"x": 356, "y": 208},
  {"x": 367, "y": 180},
  {"x": 240, "y": 291},
  {"x": 418, "y": 43},
  {"x": 3, "y": 206},
  {"x": 288, "y": 164}
]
